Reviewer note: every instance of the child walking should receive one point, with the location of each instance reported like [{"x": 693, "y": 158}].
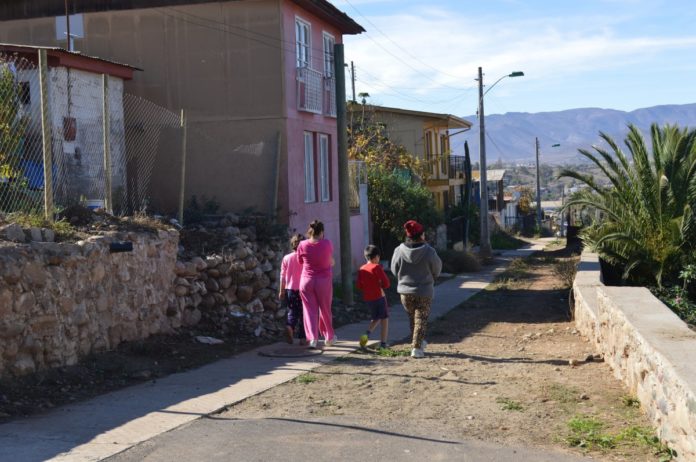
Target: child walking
[
  {"x": 290, "y": 272},
  {"x": 372, "y": 281}
]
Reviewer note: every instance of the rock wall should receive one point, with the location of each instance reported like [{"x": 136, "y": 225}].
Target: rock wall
[
  {"x": 648, "y": 347},
  {"x": 62, "y": 301},
  {"x": 233, "y": 290}
]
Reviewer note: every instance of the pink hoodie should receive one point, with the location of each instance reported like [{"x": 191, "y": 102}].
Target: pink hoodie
[{"x": 291, "y": 271}]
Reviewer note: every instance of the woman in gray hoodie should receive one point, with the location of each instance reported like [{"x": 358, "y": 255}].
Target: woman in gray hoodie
[{"x": 416, "y": 265}]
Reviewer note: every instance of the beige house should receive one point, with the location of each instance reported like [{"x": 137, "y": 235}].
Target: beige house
[{"x": 425, "y": 135}]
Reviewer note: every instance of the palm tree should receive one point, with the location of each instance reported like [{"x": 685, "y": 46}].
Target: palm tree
[{"x": 647, "y": 223}]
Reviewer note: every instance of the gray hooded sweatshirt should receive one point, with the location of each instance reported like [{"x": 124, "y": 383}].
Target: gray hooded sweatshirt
[{"x": 416, "y": 266}]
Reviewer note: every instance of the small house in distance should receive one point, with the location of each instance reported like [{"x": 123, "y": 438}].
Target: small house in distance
[{"x": 75, "y": 114}]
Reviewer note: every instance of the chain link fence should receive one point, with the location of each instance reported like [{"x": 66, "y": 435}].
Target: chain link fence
[
  {"x": 21, "y": 155},
  {"x": 95, "y": 161}
]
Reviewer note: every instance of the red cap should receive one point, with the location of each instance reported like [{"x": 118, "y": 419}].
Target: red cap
[{"x": 413, "y": 228}]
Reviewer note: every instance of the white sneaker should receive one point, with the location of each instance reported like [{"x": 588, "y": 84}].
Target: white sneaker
[
  {"x": 329, "y": 342},
  {"x": 417, "y": 353},
  {"x": 424, "y": 345},
  {"x": 312, "y": 345}
]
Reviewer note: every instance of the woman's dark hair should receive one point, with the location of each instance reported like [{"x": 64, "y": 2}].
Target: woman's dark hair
[
  {"x": 315, "y": 229},
  {"x": 295, "y": 240},
  {"x": 372, "y": 251}
]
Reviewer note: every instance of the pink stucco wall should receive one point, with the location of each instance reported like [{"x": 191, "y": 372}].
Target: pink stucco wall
[{"x": 301, "y": 213}]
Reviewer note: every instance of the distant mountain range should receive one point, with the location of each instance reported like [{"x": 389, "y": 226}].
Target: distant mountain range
[{"x": 510, "y": 137}]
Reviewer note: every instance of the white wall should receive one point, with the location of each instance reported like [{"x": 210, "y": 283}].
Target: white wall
[{"x": 80, "y": 163}]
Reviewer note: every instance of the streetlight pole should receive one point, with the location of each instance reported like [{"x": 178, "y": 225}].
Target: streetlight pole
[{"x": 485, "y": 245}]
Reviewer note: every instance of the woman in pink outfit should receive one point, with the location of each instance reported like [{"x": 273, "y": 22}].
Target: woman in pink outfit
[{"x": 316, "y": 284}]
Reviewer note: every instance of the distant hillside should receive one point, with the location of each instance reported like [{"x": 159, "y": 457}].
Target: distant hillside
[{"x": 511, "y": 136}]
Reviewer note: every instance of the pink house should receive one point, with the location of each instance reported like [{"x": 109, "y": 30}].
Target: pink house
[{"x": 255, "y": 78}]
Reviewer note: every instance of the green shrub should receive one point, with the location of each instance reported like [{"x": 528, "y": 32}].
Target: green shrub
[
  {"x": 503, "y": 241},
  {"x": 457, "y": 261}
]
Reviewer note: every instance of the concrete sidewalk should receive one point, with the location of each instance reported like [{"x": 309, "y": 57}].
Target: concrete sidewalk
[{"x": 112, "y": 423}]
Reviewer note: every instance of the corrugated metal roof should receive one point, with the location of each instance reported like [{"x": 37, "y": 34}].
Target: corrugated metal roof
[
  {"x": 14, "y": 47},
  {"x": 491, "y": 175},
  {"x": 26, "y": 9},
  {"x": 451, "y": 120}
]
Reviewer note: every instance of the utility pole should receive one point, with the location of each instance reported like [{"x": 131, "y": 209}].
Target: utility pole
[
  {"x": 343, "y": 177},
  {"x": 485, "y": 245},
  {"x": 538, "y": 186},
  {"x": 67, "y": 26},
  {"x": 352, "y": 80}
]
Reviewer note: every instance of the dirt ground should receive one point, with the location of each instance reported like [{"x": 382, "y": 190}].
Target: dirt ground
[
  {"x": 507, "y": 367},
  {"x": 132, "y": 363}
]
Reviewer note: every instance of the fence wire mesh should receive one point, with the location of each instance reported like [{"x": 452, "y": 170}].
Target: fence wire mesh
[
  {"x": 21, "y": 158},
  {"x": 80, "y": 165},
  {"x": 146, "y": 125}
]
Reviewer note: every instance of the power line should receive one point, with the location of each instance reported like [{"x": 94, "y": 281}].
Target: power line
[
  {"x": 284, "y": 45},
  {"x": 465, "y": 91},
  {"x": 396, "y": 44}
]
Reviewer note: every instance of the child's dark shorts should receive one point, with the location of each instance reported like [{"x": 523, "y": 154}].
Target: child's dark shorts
[
  {"x": 294, "y": 305},
  {"x": 379, "y": 308}
]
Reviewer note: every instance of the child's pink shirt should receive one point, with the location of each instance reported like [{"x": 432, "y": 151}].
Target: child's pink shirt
[
  {"x": 291, "y": 271},
  {"x": 315, "y": 258}
]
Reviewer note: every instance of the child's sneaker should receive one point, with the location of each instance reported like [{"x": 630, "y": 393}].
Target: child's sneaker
[
  {"x": 363, "y": 340},
  {"x": 331, "y": 341},
  {"x": 417, "y": 353},
  {"x": 312, "y": 345},
  {"x": 383, "y": 345}
]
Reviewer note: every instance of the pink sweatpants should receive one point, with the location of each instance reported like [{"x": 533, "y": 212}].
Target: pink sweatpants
[{"x": 317, "y": 294}]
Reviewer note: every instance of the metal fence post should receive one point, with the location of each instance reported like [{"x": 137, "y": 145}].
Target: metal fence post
[
  {"x": 46, "y": 138},
  {"x": 183, "y": 168},
  {"x": 108, "y": 204}
]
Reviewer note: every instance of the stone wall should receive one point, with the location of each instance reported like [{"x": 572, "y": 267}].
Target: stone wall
[
  {"x": 649, "y": 348},
  {"x": 61, "y": 301},
  {"x": 233, "y": 290}
]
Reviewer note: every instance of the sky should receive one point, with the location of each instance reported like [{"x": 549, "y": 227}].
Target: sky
[{"x": 613, "y": 54}]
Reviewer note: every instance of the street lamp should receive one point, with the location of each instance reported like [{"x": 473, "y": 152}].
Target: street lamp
[
  {"x": 485, "y": 247},
  {"x": 538, "y": 185}
]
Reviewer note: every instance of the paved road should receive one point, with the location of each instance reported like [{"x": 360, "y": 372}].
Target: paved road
[{"x": 332, "y": 440}]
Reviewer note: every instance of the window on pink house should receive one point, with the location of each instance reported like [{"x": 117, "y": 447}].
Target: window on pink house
[
  {"x": 303, "y": 43},
  {"x": 309, "y": 172},
  {"x": 329, "y": 42},
  {"x": 324, "y": 168}
]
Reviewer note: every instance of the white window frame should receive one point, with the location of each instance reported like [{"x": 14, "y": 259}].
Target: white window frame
[
  {"x": 328, "y": 54},
  {"x": 306, "y": 45},
  {"x": 310, "y": 190},
  {"x": 324, "y": 168}
]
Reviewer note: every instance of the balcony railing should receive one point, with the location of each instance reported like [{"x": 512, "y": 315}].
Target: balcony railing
[
  {"x": 309, "y": 89},
  {"x": 315, "y": 92}
]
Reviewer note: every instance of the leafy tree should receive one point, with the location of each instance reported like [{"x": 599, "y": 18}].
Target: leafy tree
[
  {"x": 395, "y": 180},
  {"x": 647, "y": 224},
  {"x": 368, "y": 141},
  {"x": 12, "y": 126},
  {"x": 394, "y": 199},
  {"x": 524, "y": 205}
]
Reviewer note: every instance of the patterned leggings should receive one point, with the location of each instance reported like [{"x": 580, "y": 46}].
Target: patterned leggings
[{"x": 418, "y": 309}]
